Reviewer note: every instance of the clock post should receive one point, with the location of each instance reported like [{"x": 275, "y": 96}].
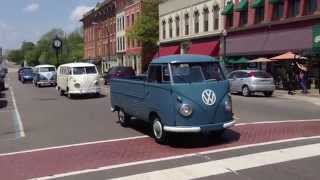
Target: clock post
[{"x": 57, "y": 46}]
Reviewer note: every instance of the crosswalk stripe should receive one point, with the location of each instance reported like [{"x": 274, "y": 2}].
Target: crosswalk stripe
[{"x": 230, "y": 164}]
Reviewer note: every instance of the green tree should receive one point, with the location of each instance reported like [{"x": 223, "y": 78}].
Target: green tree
[
  {"x": 16, "y": 56},
  {"x": 146, "y": 28}
]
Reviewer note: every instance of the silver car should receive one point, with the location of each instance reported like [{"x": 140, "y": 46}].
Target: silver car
[{"x": 248, "y": 82}]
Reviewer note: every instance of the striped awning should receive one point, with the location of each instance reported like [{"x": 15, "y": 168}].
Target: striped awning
[
  {"x": 243, "y": 6},
  {"x": 228, "y": 9},
  {"x": 257, "y": 4}
]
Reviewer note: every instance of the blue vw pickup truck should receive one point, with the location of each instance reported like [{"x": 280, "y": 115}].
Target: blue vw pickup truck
[{"x": 180, "y": 94}]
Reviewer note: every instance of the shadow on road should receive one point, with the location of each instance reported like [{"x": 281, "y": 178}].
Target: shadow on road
[
  {"x": 256, "y": 95},
  {"x": 199, "y": 140},
  {"x": 89, "y": 96},
  {"x": 189, "y": 140}
]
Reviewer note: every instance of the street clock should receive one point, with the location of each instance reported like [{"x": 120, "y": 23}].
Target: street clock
[{"x": 57, "y": 43}]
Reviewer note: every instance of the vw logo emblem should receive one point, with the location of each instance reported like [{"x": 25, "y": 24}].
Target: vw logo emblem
[{"x": 208, "y": 97}]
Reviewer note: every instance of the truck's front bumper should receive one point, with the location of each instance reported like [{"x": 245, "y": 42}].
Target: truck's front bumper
[
  {"x": 93, "y": 90},
  {"x": 197, "y": 129}
]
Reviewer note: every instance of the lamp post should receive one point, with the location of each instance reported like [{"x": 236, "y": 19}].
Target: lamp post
[
  {"x": 57, "y": 46},
  {"x": 109, "y": 48},
  {"x": 224, "y": 37},
  {"x": 158, "y": 46}
]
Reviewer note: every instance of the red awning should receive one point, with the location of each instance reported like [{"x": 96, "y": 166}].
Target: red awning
[
  {"x": 205, "y": 48},
  {"x": 169, "y": 50}
]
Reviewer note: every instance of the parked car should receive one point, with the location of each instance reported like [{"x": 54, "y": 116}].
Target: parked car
[
  {"x": 3, "y": 73},
  {"x": 181, "y": 94},
  {"x": 25, "y": 74},
  {"x": 45, "y": 75},
  {"x": 78, "y": 78},
  {"x": 118, "y": 72},
  {"x": 248, "y": 82}
]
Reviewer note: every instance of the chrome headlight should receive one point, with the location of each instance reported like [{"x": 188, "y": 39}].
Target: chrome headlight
[
  {"x": 77, "y": 85},
  {"x": 185, "y": 110},
  {"x": 228, "y": 104}
]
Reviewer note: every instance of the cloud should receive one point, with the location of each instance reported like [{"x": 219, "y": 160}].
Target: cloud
[
  {"x": 78, "y": 12},
  {"x": 32, "y": 7},
  {"x": 11, "y": 36}
]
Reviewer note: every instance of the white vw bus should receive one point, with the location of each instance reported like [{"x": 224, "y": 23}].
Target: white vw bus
[{"x": 78, "y": 78}]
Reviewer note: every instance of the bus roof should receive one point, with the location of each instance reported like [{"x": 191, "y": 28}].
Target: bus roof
[{"x": 186, "y": 58}]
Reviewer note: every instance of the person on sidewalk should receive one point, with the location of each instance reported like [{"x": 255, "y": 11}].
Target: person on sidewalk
[
  {"x": 291, "y": 79},
  {"x": 303, "y": 70}
]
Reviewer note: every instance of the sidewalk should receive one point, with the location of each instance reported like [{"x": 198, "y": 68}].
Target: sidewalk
[{"x": 312, "y": 97}]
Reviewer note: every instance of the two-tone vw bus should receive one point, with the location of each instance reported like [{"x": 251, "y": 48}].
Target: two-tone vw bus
[
  {"x": 44, "y": 75},
  {"x": 78, "y": 79}
]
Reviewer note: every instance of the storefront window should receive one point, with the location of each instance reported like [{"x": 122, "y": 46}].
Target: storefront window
[
  {"x": 170, "y": 27},
  {"x": 163, "y": 29},
  {"x": 216, "y": 10},
  {"x": 177, "y": 26},
  {"x": 229, "y": 20},
  {"x": 294, "y": 8},
  {"x": 278, "y": 11},
  {"x": 186, "y": 24},
  {"x": 243, "y": 18},
  {"x": 310, "y": 6},
  {"x": 259, "y": 16},
  {"x": 206, "y": 20},
  {"x": 196, "y": 21}
]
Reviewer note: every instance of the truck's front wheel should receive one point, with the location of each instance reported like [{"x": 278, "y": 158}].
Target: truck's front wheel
[
  {"x": 124, "y": 118},
  {"x": 158, "y": 133}
]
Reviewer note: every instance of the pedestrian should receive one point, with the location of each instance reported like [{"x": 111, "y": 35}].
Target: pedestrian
[
  {"x": 291, "y": 79},
  {"x": 303, "y": 70}
]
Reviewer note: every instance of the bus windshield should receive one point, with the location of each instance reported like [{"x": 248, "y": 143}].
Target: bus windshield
[{"x": 196, "y": 72}]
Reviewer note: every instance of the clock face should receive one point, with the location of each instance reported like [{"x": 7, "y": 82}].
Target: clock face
[{"x": 57, "y": 43}]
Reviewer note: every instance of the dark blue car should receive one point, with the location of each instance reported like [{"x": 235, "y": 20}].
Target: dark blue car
[{"x": 26, "y": 75}]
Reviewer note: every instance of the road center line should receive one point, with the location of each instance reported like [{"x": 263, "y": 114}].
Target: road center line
[
  {"x": 233, "y": 164},
  {"x": 170, "y": 158},
  {"x": 16, "y": 116}
]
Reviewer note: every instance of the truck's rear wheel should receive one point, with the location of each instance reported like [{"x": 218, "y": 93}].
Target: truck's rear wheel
[
  {"x": 124, "y": 118},
  {"x": 158, "y": 132}
]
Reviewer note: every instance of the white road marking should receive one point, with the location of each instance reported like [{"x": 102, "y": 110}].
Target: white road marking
[
  {"x": 233, "y": 164},
  {"x": 71, "y": 145},
  {"x": 170, "y": 158},
  {"x": 144, "y": 136},
  {"x": 274, "y": 122},
  {"x": 17, "y": 118}
]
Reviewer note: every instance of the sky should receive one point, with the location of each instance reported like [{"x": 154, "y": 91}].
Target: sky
[{"x": 27, "y": 20}]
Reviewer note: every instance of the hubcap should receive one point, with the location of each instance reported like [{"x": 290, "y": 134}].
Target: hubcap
[
  {"x": 121, "y": 116},
  {"x": 157, "y": 129},
  {"x": 245, "y": 91}
]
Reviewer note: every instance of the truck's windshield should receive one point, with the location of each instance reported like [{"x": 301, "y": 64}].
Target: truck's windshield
[{"x": 196, "y": 72}]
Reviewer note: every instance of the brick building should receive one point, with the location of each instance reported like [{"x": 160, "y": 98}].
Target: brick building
[
  {"x": 100, "y": 34},
  {"x": 269, "y": 27},
  {"x": 120, "y": 31},
  {"x": 133, "y": 47},
  {"x": 192, "y": 26}
]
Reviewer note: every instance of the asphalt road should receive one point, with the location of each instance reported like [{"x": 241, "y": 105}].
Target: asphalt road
[{"x": 50, "y": 120}]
